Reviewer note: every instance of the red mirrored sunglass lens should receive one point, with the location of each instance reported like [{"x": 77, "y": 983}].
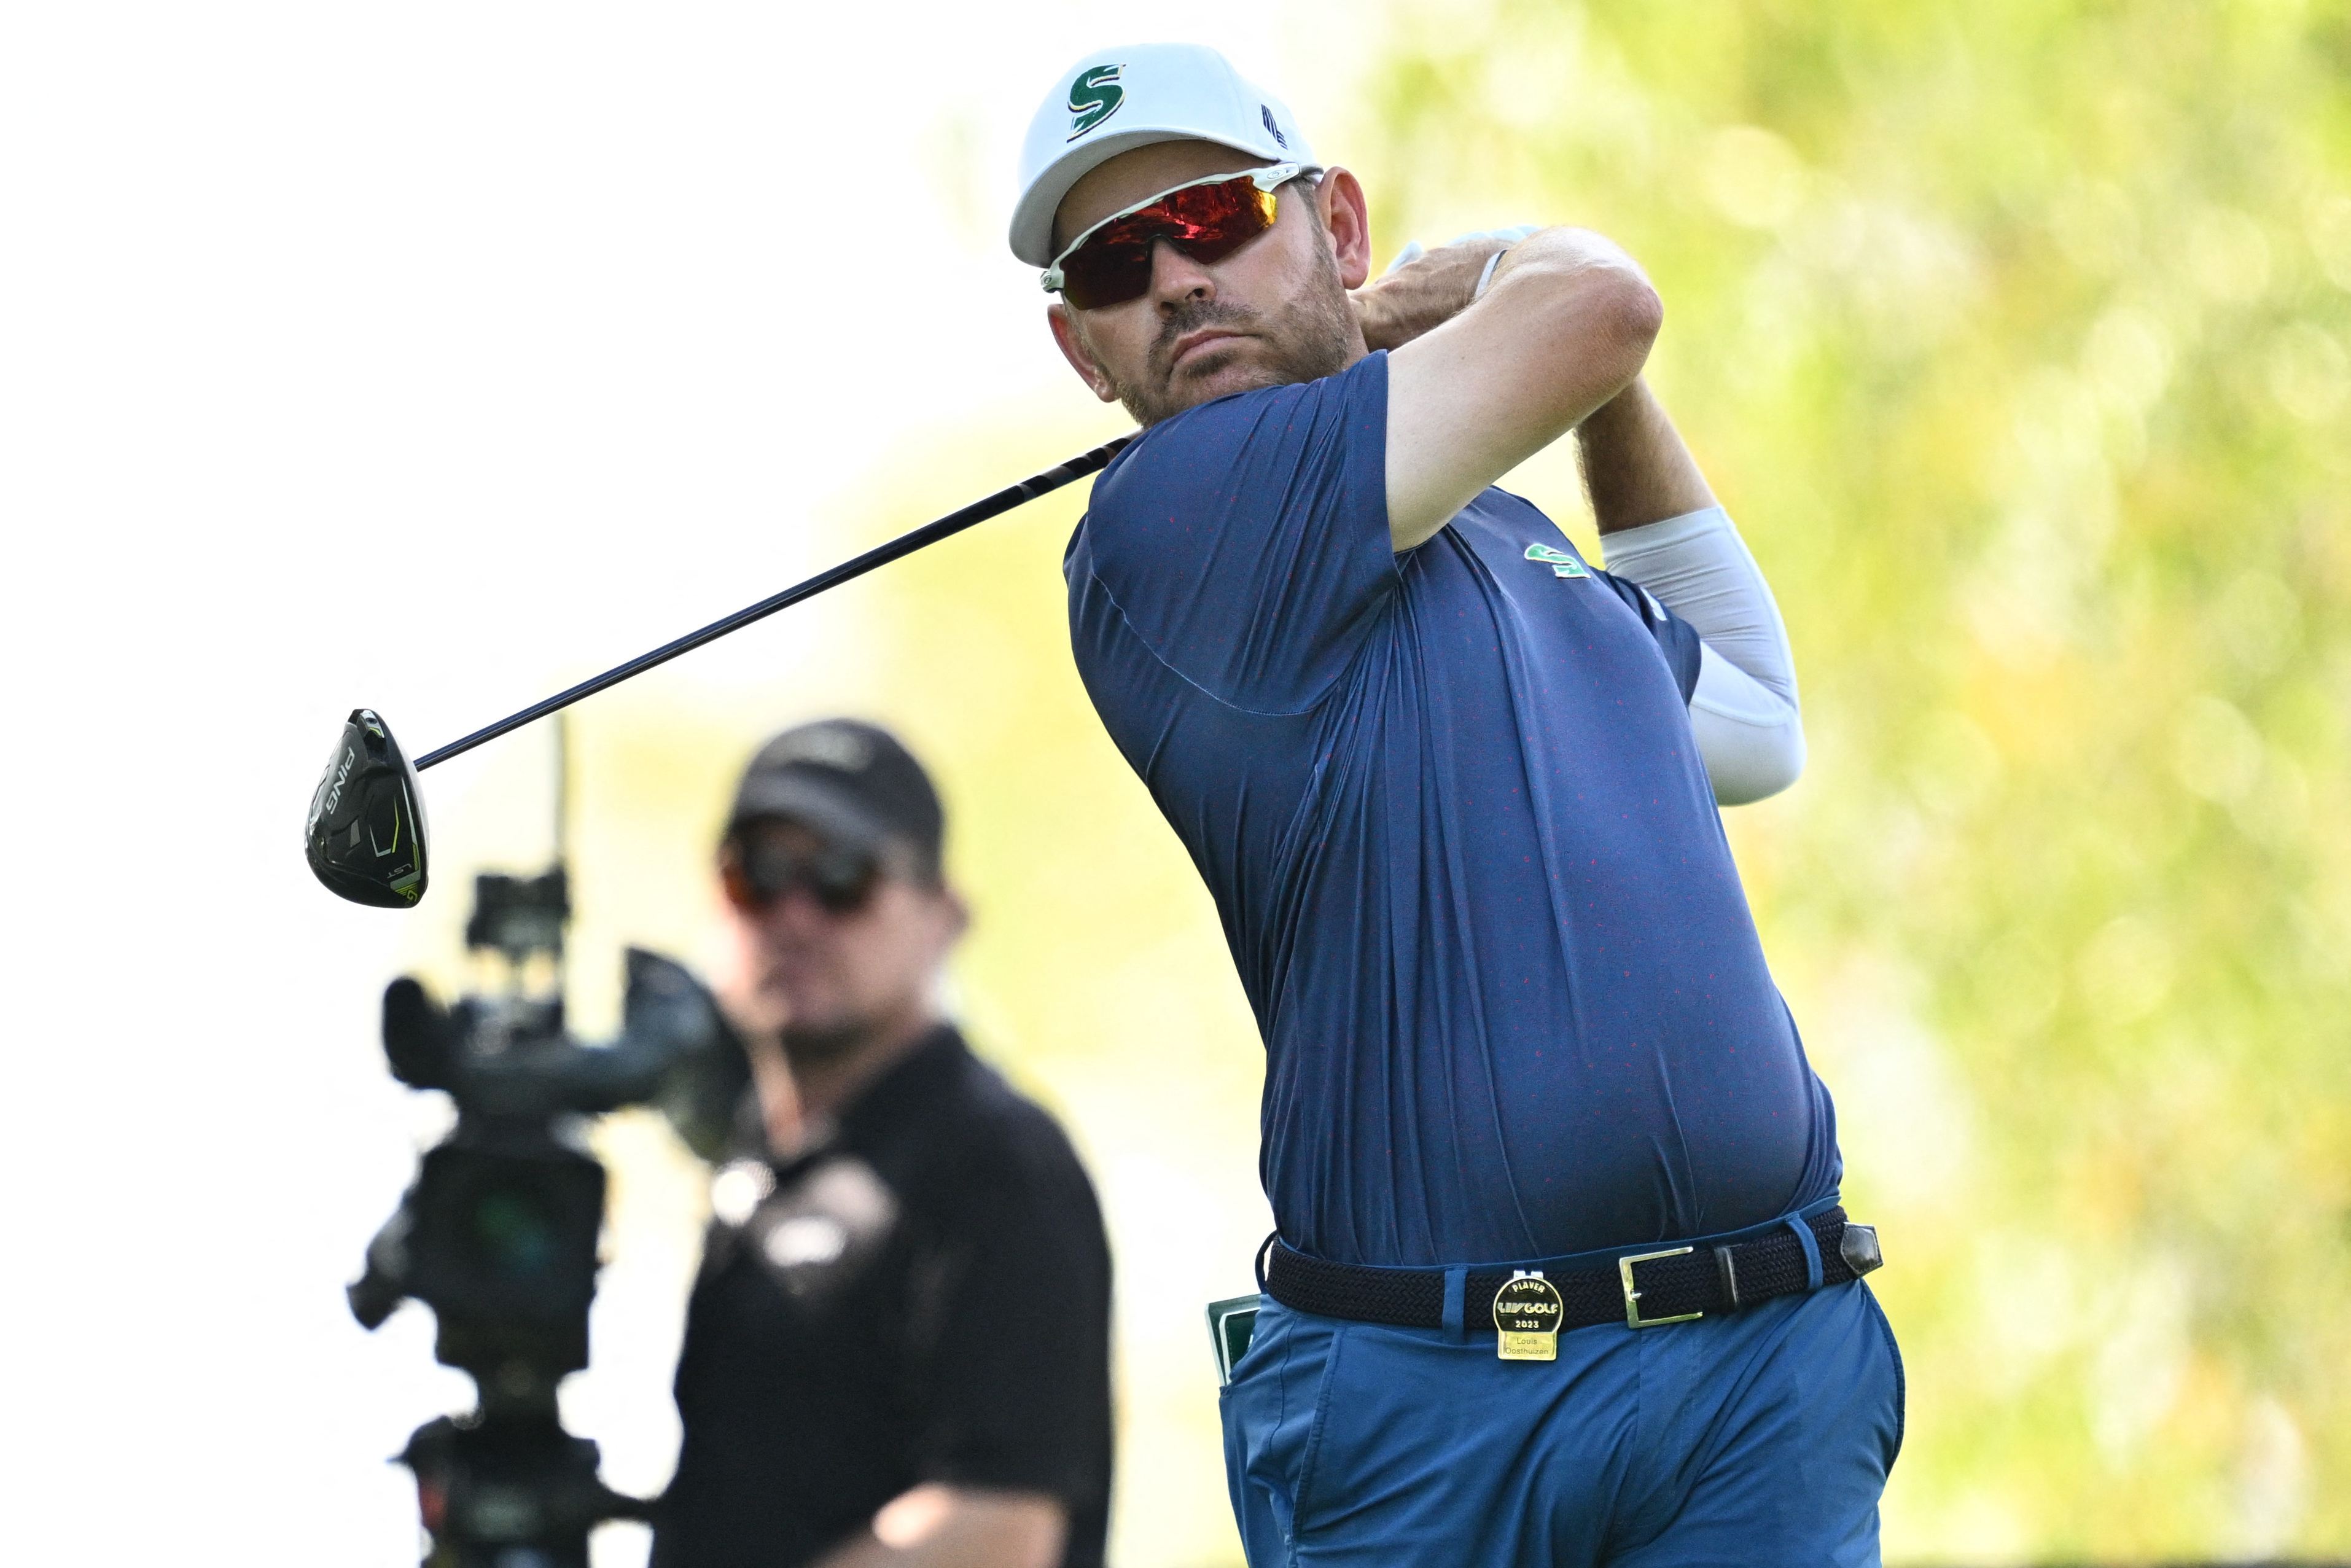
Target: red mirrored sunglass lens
[{"x": 1206, "y": 223}]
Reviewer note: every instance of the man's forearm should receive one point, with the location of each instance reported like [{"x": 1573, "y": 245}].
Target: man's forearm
[
  {"x": 1563, "y": 328},
  {"x": 1635, "y": 468},
  {"x": 1744, "y": 713},
  {"x": 1635, "y": 464}
]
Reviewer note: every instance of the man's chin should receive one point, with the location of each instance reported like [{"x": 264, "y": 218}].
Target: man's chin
[
  {"x": 813, "y": 1042},
  {"x": 1194, "y": 385},
  {"x": 1235, "y": 364}
]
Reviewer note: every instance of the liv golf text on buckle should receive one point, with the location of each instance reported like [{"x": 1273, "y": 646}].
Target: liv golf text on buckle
[{"x": 1527, "y": 1315}]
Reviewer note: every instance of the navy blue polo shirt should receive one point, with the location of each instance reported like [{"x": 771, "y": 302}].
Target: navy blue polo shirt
[{"x": 1461, "y": 841}]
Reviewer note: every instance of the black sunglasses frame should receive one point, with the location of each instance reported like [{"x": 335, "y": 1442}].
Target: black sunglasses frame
[{"x": 759, "y": 872}]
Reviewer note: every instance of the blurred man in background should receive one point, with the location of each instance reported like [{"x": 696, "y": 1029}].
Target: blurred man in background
[
  {"x": 898, "y": 1348},
  {"x": 1530, "y": 1086}
]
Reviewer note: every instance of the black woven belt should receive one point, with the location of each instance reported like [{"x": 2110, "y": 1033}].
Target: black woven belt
[{"x": 1670, "y": 1284}]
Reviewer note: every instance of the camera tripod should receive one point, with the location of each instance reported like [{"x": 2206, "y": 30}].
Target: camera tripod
[
  {"x": 498, "y": 1233},
  {"x": 507, "y": 1487}
]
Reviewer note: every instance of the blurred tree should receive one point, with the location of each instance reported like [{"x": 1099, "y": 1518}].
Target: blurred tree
[{"x": 2016, "y": 335}]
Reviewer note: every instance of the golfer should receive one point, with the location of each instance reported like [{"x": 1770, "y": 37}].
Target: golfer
[{"x": 1561, "y": 1274}]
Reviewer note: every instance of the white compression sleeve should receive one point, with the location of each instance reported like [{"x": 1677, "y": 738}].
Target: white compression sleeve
[{"x": 1744, "y": 712}]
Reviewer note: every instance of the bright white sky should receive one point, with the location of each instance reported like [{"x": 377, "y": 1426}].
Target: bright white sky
[{"x": 422, "y": 356}]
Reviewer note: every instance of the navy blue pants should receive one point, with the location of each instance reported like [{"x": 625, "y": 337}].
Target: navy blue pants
[{"x": 1750, "y": 1440}]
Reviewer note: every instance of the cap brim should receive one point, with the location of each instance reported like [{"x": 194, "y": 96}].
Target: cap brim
[
  {"x": 1032, "y": 220},
  {"x": 834, "y": 814}
]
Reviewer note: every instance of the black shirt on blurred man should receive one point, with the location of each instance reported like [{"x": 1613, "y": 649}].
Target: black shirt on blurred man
[{"x": 898, "y": 1347}]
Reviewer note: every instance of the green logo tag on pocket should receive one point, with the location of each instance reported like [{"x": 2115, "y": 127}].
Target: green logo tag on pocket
[{"x": 1562, "y": 564}]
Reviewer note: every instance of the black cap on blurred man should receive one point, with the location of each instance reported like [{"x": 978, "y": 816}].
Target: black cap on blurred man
[{"x": 898, "y": 1348}]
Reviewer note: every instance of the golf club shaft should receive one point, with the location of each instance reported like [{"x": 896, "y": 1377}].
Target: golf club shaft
[{"x": 905, "y": 544}]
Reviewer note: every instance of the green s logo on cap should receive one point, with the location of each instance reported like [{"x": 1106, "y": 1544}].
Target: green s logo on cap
[{"x": 1093, "y": 99}]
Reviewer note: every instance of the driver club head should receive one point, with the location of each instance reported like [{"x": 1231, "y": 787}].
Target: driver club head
[{"x": 365, "y": 837}]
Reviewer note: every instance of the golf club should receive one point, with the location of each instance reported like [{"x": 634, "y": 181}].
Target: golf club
[{"x": 365, "y": 837}]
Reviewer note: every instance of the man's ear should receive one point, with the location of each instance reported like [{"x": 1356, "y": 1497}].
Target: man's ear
[
  {"x": 1064, "y": 323},
  {"x": 950, "y": 918},
  {"x": 1347, "y": 217}
]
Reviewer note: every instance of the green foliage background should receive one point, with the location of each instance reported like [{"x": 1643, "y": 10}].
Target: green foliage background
[{"x": 2014, "y": 335}]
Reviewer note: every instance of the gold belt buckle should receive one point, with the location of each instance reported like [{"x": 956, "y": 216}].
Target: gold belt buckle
[{"x": 1633, "y": 1318}]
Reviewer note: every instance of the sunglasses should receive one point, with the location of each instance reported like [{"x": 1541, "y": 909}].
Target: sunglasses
[
  {"x": 763, "y": 871},
  {"x": 1207, "y": 220}
]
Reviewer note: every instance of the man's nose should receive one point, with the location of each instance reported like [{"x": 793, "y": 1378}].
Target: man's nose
[
  {"x": 796, "y": 911},
  {"x": 1176, "y": 277}
]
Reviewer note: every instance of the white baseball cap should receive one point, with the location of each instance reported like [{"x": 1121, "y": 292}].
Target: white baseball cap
[{"x": 1114, "y": 100}]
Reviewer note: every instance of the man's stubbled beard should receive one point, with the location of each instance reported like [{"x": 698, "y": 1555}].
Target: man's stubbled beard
[{"x": 1304, "y": 340}]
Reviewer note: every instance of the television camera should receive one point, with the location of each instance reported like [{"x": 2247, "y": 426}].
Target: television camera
[{"x": 498, "y": 1233}]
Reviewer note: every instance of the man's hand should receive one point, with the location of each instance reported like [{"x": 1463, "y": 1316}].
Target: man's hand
[
  {"x": 1425, "y": 289},
  {"x": 934, "y": 1526},
  {"x": 1565, "y": 324}
]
